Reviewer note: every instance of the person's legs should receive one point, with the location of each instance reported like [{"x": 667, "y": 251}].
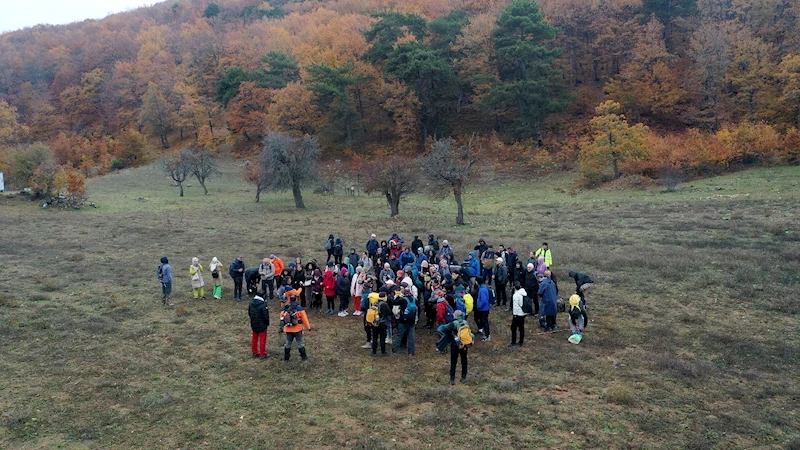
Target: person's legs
[
  {"x": 463, "y": 352},
  {"x": 301, "y": 345},
  {"x": 514, "y": 326},
  {"x": 237, "y": 288},
  {"x": 164, "y": 294},
  {"x": 479, "y": 320},
  {"x": 521, "y": 330},
  {"x": 203, "y": 291},
  {"x": 330, "y": 255},
  {"x": 502, "y": 298},
  {"x": 357, "y": 303},
  {"x": 454, "y": 352},
  {"x": 401, "y": 333},
  {"x": 287, "y": 348},
  {"x": 551, "y": 321},
  {"x": 487, "y": 330},
  {"x": 382, "y": 338},
  {"x": 374, "y": 336},
  {"x": 264, "y": 287},
  {"x": 254, "y": 343},
  {"x": 262, "y": 344},
  {"x": 411, "y": 332},
  {"x": 344, "y": 301}
]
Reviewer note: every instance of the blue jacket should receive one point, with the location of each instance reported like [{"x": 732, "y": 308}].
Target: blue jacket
[
  {"x": 406, "y": 258},
  {"x": 166, "y": 273},
  {"x": 234, "y": 269},
  {"x": 418, "y": 261},
  {"x": 483, "y": 299},
  {"x": 372, "y": 246},
  {"x": 547, "y": 289},
  {"x": 342, "y": 285},
  {"x": 474, "y": 265}
]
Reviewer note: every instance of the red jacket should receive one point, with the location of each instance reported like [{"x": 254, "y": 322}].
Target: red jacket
[
  {"x": 329, "y": 284},
  {"x": 441, "y": 311}
]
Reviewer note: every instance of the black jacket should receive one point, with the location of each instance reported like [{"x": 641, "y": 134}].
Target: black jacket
[
  {"x": 394, "y": 264},
  {"x": 259, "y": 315},
  {"x": 343, "y": 285},
  {"x": 415, "y": 244},
  {"x": 234, "y": 269},
  {"x": 581, "y": 278},
  {"x": 531, "y": 284}
]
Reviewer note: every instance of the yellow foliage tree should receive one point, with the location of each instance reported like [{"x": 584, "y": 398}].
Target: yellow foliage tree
[{"x": 613, "y": 142}]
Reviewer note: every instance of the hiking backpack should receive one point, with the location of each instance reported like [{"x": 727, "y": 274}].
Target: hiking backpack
[
  {"x": 527, "y": 305},
  {"x": 289, "y": 317},
  {"x": 449, "y": 314},
  {"x": 373, "y": 315},
  {"x": 328, "y": 245},
  {"x": 411, "y": 311},
  {"x": 464, "y": 336},
  {"x": 160, "y": 272}
]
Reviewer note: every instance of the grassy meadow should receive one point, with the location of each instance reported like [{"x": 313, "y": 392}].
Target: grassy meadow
[{"x": 693, "y": 340}]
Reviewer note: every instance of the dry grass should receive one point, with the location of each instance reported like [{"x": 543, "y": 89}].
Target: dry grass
[{"x": 692, "y": 341}]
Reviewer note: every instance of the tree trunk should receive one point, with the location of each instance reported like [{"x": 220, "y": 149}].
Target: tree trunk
[
  {"x": 298, "y": 197},
  {"x": 615, "y": 165},
  {"x": 258, "y": 193},
  {"x": 180, "y": 186},
  {"x": 460, "y": 204},
  {"x": 394, "y": 205},
  {"x": 203, "y": 185}
]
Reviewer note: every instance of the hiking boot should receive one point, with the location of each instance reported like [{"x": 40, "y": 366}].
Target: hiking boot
[
  {"x": 520, "y": 344},
  {"x": 303, "y": 355},
  {"x": 286, "y": 355},
  {"x": 512, "y": 345},
  {"x": 373, "y": 354},
  {"x": 452, "y": 381},
  {"x": 255, "y": 355},
  {"x": 463, "y": 379}
]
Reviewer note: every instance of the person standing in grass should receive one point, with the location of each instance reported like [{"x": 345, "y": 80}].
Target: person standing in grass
[
  {"x": 343, "y": 291},
  {"x": 198, "y": 285},
  {"x": 316, "y": 289},
  {"x": 356, "y": 289},
  {"x": 500, "y": 281},
  {"x": 338, "y": 251},
  {"x": 236, "y": 271},
  {"x": 294, "y": 321},
  {"x": 545, "y": 252},
  {"x": 329, "y": 247},
  {"x": 372, "y": 247},
  {"x": 406, "y": 322},
  {"x": 518, "y": 315},
  {"x": 259, "y": 321},
  {"x": 216, "y": 277},
  {"x": 379, "y": 325},
  {"x": 547, "y": 290},
  {"x": 164, "y": 273},
  {"x": 482, "y": 310},
  {"x": 458, "y": 348},
  {"x": 329, "y": 288},
  {"x": 267, "y": 272}
]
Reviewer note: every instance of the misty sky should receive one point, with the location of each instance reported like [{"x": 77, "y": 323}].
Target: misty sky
[{"x": 16, "y": 14}]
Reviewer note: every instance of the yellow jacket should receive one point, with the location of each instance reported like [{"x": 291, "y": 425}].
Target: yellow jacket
[{"x": 548, "y": 256}]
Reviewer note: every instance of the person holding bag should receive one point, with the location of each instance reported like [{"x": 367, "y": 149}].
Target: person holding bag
[
  {"x": 196, "y": 272},
  {"x": 215, "y": 267}
]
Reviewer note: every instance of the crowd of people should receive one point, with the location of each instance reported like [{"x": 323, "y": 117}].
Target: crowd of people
[{"x": 396, "y": 287}]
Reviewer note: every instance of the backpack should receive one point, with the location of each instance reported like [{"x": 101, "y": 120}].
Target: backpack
[
  {"x": 527, "y": 305},
  {"x": 492, "y": 297},
  {"x": 374, "y": 315},
  {"x": 289, "y": 317},
  {"x": 469, "y": 301},
  {"x": 449, "y": 314},
  {"x": 464, "y": 336},
  {"x": 231, "y": 271},
  {"x": 328, "y": 244},
  {"x": 160, "y": 271},
  {"x": 411, "y": 311},
  {"x": 461, "y": 306}
]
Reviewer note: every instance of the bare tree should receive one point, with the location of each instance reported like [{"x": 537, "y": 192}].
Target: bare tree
[
  {"x": 288, "y": 162},
  {"x": 449, "y": 165},
  {"x": 392, "y": 176},
  {"x": 177, "y": 168},
  {"x": 201, "y": 164}
]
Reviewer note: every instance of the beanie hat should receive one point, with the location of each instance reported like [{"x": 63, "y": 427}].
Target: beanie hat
[
  {"x": 343, "y": 271},
  {"x": 458, "y": 313},
  {"x": 530, "y": 265}
]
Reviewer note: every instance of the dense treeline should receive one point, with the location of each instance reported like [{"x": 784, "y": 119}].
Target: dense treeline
[{"x": 623, "y": 86}]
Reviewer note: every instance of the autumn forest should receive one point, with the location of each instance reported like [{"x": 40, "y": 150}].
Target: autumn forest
[{"x": 606, "y": 87}]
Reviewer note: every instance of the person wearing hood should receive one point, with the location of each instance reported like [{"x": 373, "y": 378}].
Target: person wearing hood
[
  {"x": 547, "y": 290},
  {"x": 267, "y": 272},
  {"x": 397, "y": 237},
  {"x": 540, "y": 265},
  {"x": 198, "y": 285},
  {"x": 473, "y": 265},
  {"x": 446, "y": 251},
  {"x": 481, "y": 246},
  {"x": 531, "y": 284},
  {"x": 482, "y": 307},
  {"x": 372, "y": 247},
  {"x": 215, "y": 267},
  {"x": 394, "y": 263},
  {"x": 259, "y": 321},
  {"x": 500, "y": 281},
  {"x": 416, "y": 243},
  {"x": 352, "y": 257},
  {"x": 329, "y": 288},
  {"x": 316, "y": 289},
  {"x": 433, "y": 243},
  {"x": 518, "y": 315},
  {"x": 343, "y": 291},
  {"x": 456, "y": 352},
  {"x": 294, "y": 332},
  {"x": 236, "y": 271},
  {"x": 164, "y": 273},
  {"x": 577, "y": 315},
  {"x": 298, "y": 278},
  {"x": 338, "y": 251}
]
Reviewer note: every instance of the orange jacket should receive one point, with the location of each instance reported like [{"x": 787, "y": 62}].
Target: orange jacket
[
  {"x": 278, "y": 264},
  {"x": 302, "y": 322}
]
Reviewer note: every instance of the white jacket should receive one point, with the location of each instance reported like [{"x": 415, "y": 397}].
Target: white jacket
[{"x": 516, "y": 302}]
